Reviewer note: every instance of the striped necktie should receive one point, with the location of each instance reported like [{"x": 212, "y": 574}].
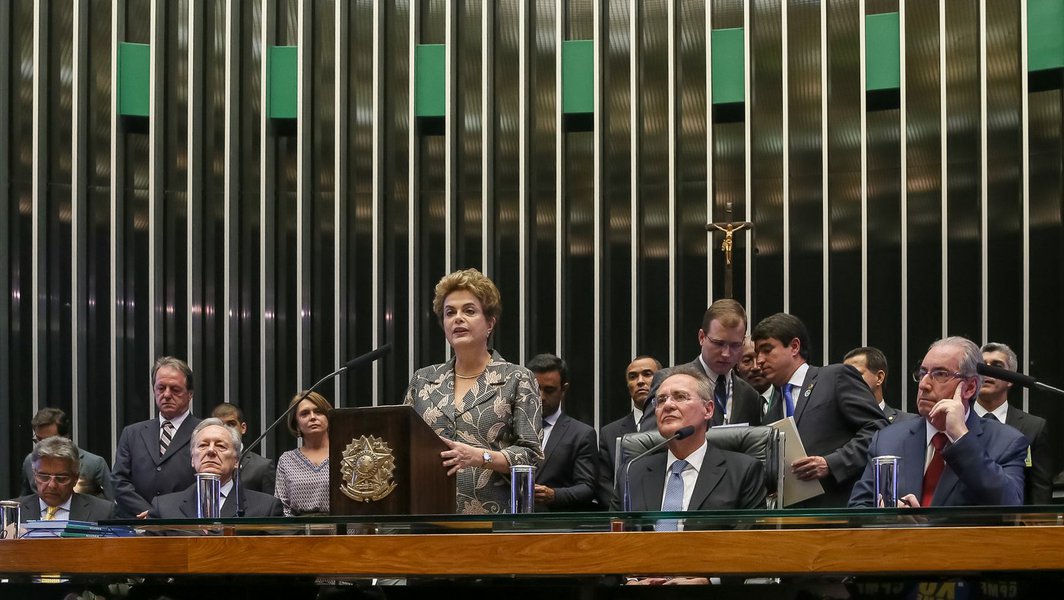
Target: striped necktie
[
  {"x": 49, "y": 513},
  {"x": 165, "y": 437}
]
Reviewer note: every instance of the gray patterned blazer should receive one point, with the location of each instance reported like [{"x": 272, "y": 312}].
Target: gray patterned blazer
[{"x": 501, "y": 412}]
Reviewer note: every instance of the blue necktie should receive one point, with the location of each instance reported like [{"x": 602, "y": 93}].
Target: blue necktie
[
  {"x": 787, "y": 399},
  {"x": 673, "y": 501},
  {"x": 720, "y": 393}
]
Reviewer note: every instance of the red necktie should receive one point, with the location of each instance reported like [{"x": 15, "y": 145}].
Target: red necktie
[{"x": 934, "y": 469}]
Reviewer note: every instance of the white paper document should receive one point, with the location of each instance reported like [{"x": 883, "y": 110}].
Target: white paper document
[{"x": 794, "y": 490}]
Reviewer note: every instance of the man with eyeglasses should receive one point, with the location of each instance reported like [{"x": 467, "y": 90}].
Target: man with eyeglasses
[
  {"x": 94, "y": 476},
  {"x": 950, "y": 457},
  {"x": 56, "y": 465},
  {"x": 833, "y": 409},
  {"x": 721, "y": 340},
  {"x": 993, "y": 404}
]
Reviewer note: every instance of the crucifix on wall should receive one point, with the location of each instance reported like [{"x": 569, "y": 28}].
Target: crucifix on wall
[{"x": 729, "y": 228}]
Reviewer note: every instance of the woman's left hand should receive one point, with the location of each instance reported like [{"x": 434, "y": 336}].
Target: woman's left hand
[{"x": 460, "y": 456}]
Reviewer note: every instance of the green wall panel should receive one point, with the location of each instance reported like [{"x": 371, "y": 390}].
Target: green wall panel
[
  {"x": 578, "y": 77},
  {"x": 1045, "y": 34},
  {"x": 728, "y": 66},
  {"x": 882, "y": 52},
  {"x": 283, "y": 64},
  {"x": 134, "y": 77},
  {"x": 430, "y": 87}
]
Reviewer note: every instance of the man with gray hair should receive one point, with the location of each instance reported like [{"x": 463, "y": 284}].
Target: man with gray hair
[
  {"x": 215, "y": 449},
  {"x": 950, "y": 457},
  {"x": 56, "y": 466},
  {"x": 993, "y": 404}
]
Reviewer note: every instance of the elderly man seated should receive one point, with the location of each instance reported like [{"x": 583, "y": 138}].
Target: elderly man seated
[
  {"x": 56, "y": 465},
  {"x": 215, "y": 449}
]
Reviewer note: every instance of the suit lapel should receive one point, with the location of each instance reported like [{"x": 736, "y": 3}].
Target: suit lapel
[
  {"x": 802, "y": 399},
  {"x": 949, "y": 478},
  {"x": 229, "y": 506},
  {"x": 559, "y": 430},
  {"x": 79, "y": 508},
  {"x": 913, "y": 456},
  {"x": 149, "y": 436},
  {"x": 709, "y": 476},
  {"x": 652, "y": 484},
  {"x": 31, "y": 508},
  {"x": 188, "y": 503}
]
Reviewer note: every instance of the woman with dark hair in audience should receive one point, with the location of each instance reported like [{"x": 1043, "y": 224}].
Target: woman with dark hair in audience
[
  {"x": 303, "y": 474},
  {"x": 485, "y": 409}
]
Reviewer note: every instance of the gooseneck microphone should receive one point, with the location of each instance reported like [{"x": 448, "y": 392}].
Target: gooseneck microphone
[
  {"x": 1013, "y": 377},
  {"x": 626, "y": 501},
  {"x": 358, "y": 361}
]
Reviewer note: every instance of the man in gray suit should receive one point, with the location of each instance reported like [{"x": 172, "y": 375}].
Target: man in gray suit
[
  {"x": 833, "y": 409},
  {"x": 56, "y": 464},
  {"x": 992, "y": 403},
  {"x": 215, "y": 449},
  {"x": 152, "y": 457},
  {"x": 871, "y": 363},
  {"x": 257, "y": 473},
  {"x": 94, "y": 477},
  {"x": 721, "y": 340}
]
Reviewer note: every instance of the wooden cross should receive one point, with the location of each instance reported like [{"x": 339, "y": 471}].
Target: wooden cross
[{"x": 729, "y": 228}]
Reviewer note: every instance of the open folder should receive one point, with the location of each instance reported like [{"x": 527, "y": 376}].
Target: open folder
[{"x": 794, "y": 490}]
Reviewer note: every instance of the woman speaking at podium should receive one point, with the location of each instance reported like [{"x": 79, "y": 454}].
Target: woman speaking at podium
[{"x": 485, "y": 409}]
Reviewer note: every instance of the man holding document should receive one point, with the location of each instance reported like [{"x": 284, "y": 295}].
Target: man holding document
[
  {"x": 950, "y": 457},
  {"x": 834, "y": 412}
]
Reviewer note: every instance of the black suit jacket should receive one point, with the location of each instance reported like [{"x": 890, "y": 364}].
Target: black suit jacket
[
  {"x": 727, "y": 480},
  {"x": 82, "y": 508},
  {"x": 569, "y": 465},
  {"x": 182, "y": 505},
  {"x": 836, "y": 415},
  {"x": 746, "y": 402},
  {"x": 607, "y": 468},
  {"x": 1039, "y": 476},
  {"x": 258, "y": 473},
  {"x": 140, "y": 474}
]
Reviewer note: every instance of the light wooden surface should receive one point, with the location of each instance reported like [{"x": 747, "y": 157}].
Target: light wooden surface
[{"x": 765, "y": 552}]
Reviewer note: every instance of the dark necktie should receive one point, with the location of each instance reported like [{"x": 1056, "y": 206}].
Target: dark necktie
[
  {"x": 934, "y": 469},
  {"x": 720, "y": 393},
  {"x": 990, "y": 416}
]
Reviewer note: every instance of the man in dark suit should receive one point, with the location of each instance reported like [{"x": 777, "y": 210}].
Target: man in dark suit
[
  {"x": 871, "y": 363},
  {"x": 566, "y": 479},
  {"x": 94, "y": 477},
  {"x": 833, "y": 409},
  {"x": 721, "y": 340},
  {"x": 993, "y": 404},
  {"x": 152, "y": 457},
  {"x": 215, "y": 449},
  {"x": 692, "y": 475},
  {"x": 56, "y": 463},
  {"x": 257, "y": 472},
  {"x": 638, "y": 376},
  {"x": 951, "y": 457},
  {"x": 749, "y": 371}
]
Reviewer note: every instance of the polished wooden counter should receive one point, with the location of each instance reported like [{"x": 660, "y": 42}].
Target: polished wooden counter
[{"x": 772, "y": 552}]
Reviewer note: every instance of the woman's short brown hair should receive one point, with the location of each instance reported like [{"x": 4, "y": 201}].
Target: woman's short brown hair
[
  {"x": 316, "y": 399},
  {"x": 473, "y": 281}
]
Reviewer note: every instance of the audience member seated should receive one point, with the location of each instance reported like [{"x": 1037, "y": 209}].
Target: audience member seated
[
  {"x": 566, "y": 479},
  {"x": 950, "y": 457},
  {"x": 303, "y": 474},
  {"x": 152, "y": 457},
  {"x": 215, "y": 448},
  {"x": 56, "y": 463},
  {"x": 256, "y": 473},
  {"x": 94, "y": 478}
]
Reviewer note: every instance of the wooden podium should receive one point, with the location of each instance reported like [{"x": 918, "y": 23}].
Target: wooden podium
[{"x": 386, "y": 460}]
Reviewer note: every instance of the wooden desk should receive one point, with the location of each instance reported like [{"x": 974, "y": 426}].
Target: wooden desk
[{"x": 935, "y": 550}]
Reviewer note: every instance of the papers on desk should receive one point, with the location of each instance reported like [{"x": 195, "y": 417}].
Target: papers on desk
[
  {"x": 794, "y": 490},
  {"x": 57, "y": 528}
]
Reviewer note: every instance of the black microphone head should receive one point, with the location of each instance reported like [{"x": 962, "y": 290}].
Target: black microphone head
[
  {"x": 684, "y": 432},
  {"x": 1004, "y": 374}
]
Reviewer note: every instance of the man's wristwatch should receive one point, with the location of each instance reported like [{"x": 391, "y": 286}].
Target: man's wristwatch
[{"x": 487, "y": 458}]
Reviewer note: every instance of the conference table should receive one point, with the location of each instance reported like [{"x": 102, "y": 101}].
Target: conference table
[{"x": 595, "y": 549}]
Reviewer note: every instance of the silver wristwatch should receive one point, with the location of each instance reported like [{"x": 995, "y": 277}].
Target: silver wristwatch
[{"x": 487, "y": 457}]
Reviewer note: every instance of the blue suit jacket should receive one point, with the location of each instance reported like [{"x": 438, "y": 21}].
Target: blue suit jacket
[
  {"x": 984, "y": 467},
  {"x": 140, "y": 474}
]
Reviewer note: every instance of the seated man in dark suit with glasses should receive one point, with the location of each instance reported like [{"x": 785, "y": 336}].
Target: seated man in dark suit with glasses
[{"x": 55, "y": 471}]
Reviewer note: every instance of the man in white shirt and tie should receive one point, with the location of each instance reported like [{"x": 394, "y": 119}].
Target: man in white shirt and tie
[
  {"x": 55, "y": 470},
  {"x": 215, "y": 449}
]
